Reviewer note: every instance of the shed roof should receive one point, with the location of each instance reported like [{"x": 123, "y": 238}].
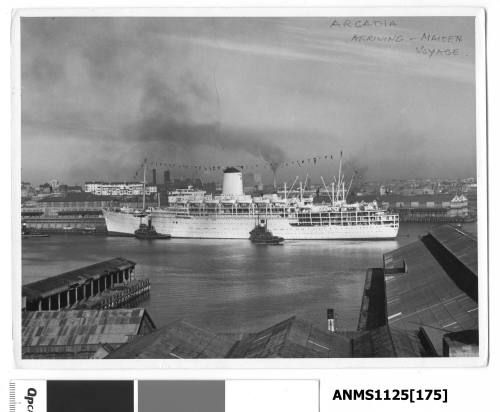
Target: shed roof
[
  {"x": 426, "y": 296},
  {"x": 461, "y": 244},
  {"x": 382, "y": 342},
  {"x": 54, "y": 284},
  {"x": 292, "y": 338},
  {"x": 81, "y": 327},
  {"x": 177, "y": 340}
]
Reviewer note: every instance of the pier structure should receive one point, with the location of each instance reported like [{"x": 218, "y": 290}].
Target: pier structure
[
  {"x": 71, "y": 288},
  {"x": 78, "y": 222},
  {"x": 124, "y": 295},
  {"x": 425, "y": 208},
  {"x": 77, "y": 213}
]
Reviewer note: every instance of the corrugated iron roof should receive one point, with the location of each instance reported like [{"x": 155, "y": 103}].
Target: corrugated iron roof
[
  {"x": 72, "y": 327},
  {"x": 461, "y": 244},
  {"x": 176, "y": 340},
  {"x": 383, "y": 342},
  {"x": 53, "y": 284},
  {"x": 292, "y": 338},
  {"x": 426, "y": 296}
]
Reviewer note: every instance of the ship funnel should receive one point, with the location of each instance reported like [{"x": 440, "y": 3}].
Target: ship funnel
[{"x": 232, "y": 185}]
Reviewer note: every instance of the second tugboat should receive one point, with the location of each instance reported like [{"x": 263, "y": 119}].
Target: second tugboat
[
  {"x": 261, "y": 236},
  {"x": 148, "y": 232}
]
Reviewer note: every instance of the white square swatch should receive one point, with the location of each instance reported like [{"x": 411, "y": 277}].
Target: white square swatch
[{"x": 272, "y": 395}]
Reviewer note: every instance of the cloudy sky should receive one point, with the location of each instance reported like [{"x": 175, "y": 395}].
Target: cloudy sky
[{"x": 101, "y": 94}]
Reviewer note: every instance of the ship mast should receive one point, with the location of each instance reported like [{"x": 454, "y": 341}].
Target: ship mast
[
  {"x": 144, "y": 189},
  {"x": 326, "y": 188},
  {"x": 291, "y": 187},
  {"x": 334, "y": 191},
  {"x": 340, "y": 171}
]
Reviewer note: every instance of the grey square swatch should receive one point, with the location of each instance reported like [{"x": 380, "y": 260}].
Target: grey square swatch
[{"x": 181, "y": 396}]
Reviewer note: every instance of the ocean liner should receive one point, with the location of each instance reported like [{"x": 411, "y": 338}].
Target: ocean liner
[
  {"x": 232, "y": 215},
  {"x": 124, "y": 221}
]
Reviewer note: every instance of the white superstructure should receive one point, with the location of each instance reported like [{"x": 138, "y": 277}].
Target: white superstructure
[{"x": 232, "y": 215}]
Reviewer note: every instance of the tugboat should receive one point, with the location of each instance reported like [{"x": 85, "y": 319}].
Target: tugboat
[
  {"x": 148, "y": 232},
  {"x": 261, "y": 236}
]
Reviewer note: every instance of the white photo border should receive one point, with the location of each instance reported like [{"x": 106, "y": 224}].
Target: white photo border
[{"x": 327, "y": 363}]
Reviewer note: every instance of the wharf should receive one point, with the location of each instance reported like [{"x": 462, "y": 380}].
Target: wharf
[
  {"x": 84, "y": 313},
  {"x": 429, "y": 215},
  {"x": 86, "y": 225},
  {"x": 106, "y": 284},
  {"x": 119, "y": 296}
]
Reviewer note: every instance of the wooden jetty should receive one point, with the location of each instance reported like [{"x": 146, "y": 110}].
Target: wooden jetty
[
  {"x": 119, "y": 296},
  {"x": 109, "y": 284}
]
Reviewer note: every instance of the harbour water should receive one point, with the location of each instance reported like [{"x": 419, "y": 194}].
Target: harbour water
[{"x": 229, "y": 285}]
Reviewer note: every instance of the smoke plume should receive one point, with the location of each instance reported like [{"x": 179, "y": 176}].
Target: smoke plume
[{"x": 186, "y": 119}]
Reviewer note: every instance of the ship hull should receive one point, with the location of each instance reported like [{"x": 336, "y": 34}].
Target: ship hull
[
  {"x": 230, "y": 227},
  {"x": 121, "y": 224}
]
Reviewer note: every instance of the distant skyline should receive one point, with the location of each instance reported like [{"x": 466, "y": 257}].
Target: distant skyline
[{"x": 99, "y": 95}]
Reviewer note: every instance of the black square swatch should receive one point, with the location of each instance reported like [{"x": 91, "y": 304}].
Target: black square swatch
[{"x": 90, "y": 396}]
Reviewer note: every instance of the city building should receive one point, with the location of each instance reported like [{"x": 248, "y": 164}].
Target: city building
[
  {"x": 54, "y": 184},
  {"x": 45, "y": 188},
  {"x": 118, "y": 188}
]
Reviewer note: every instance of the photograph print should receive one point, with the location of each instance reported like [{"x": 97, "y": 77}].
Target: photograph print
[{"x": 249, "y": 187}]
